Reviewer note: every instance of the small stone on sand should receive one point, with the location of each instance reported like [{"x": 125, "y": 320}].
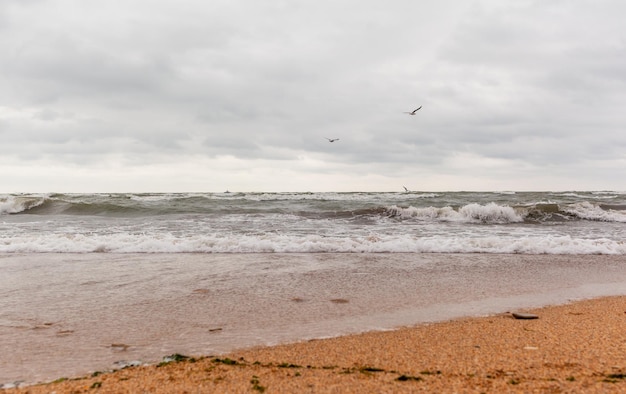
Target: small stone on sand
[{"x": 518, "y": 315}]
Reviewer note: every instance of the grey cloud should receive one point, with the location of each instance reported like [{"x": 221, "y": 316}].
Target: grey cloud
[
  {"x": 61, "y": 67},
  {"x": 534, "y": 77},
  {"x": 531, "y": 82}
]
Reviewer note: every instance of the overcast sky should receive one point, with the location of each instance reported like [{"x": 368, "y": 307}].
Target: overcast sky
[{"x": 239, "y": 95}]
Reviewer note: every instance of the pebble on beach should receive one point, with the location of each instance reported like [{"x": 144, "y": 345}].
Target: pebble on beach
[{"x": 526, "y": 316}]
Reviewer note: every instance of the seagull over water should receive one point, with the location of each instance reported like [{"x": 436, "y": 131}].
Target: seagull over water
[
  {"x": 332, "y": 139},
  {"x": 414, "y": 111}
]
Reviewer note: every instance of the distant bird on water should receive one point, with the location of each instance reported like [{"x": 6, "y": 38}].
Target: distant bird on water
[
  {"x": 414, "y": 111},
  {"x": 332, "y": 139}
]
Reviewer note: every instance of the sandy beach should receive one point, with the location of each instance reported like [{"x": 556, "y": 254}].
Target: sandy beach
[
  {"x": 576, "y": 347},
  {"x": 99, "y": 311}
]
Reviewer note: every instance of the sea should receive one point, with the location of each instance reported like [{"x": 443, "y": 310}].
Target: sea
[
  {"x": 93, "y": 282},
  {"x": 411, "y": 222}
]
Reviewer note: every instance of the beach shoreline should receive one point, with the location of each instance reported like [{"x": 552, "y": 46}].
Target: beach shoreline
[
  {"x": 97, "y": 311},
  {"x": 574, "y": 347}
]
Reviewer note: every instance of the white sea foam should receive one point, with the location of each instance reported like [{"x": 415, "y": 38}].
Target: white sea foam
[
  {"x": 505, "y": 192},
  {"x": 490, "y": 213},
  {"x": 327, "y": 196},
  {"x": 591, "y": 195},
  {"x": 16, "y": 204},
  {"x": 610, "y": 193},
  {"x": 588, "y": 211},
  {"x": 471, "y": 213},
  {"x": 277, "y": 243}
]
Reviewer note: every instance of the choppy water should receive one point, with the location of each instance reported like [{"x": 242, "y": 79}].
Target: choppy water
[
  {"x": 458, "y": 222},
  {"x": 92, "y": 281}
]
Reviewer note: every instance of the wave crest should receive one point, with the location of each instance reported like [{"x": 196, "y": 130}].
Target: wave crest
[
  {"x": 280, "y": 243},
  {"x": 588, "y": 211},
  {"x": 17, "y": 204},
  {"x": 502, "y": 214},
  {"x": 473, "y": 213}
]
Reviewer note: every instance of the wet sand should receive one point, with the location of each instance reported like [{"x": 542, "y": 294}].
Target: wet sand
[
  {"x": 576, "y": 347},
  {"x": 72, "y": 314}
]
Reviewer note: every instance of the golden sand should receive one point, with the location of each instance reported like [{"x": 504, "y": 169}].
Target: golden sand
[{"x": 574, "y": 348}]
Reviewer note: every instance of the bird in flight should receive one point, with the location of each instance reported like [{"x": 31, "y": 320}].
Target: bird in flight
[
  {"x": 414, "y": 111},
  {"x": 405, "y": 189},
  {"x": 332, "y": 139}
]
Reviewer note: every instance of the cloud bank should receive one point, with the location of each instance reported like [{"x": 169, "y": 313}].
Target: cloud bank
[{"x": 197, "y": 96}]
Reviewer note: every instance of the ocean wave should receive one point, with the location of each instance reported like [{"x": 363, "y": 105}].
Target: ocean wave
[
  {"x": 51, "y": 206},
  {"x": 18, "y": 204},
  {"x": 279, "y": 243},
  {"x": 587, "y": 211},
  {"x": 598, "y": 195},
  {"x": 472, "y": 213},
  {"x": 493, "y": 213},
  {"x": 326, "y": 196},
  {"x": 451, "y": 207},
  {"x": 547, "y": 211}
]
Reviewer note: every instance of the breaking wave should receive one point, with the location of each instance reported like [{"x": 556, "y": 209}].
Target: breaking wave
[
  {"x": 17, "y": 204},
  {"x": 462, "y": 222},
  {"x": 497, "y": 214},
  {"x": 309, "y": 205},
  {"x": 587, "y": 211},
  {"x": 281, "y": 243},
  {"x": 490, "y": 213}
]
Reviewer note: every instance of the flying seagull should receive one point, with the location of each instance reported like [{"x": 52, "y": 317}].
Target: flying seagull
[
  {"x": 414, "y": 111},
  {"x": 332, "y": 139},
  {"x": 405, "y": 189}
]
